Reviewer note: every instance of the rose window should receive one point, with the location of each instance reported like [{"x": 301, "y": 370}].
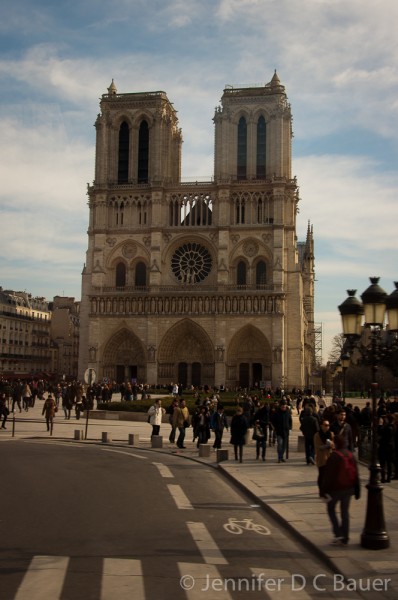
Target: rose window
[{"x": 191, "y": 263}]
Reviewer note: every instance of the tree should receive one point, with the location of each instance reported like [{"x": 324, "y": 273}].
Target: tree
[{"x": 337, "y": 348}]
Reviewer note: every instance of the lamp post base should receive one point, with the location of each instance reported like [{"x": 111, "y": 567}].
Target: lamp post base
[{"x": 374, "y": 535}]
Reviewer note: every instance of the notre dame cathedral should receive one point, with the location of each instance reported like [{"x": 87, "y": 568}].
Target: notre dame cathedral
[{"x": 201, "y": 282}]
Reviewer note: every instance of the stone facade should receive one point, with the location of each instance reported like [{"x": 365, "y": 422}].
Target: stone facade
[{"x": 205, "y": 282}]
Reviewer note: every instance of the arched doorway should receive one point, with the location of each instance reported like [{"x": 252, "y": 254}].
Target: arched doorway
[
  {"x": 124, "y": 358},
  {"x": 249, "y": 358},
  {"x": 186, "y": 355}
]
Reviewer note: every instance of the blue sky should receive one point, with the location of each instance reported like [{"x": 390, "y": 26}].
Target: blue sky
[{"x": 338, "y": 61}]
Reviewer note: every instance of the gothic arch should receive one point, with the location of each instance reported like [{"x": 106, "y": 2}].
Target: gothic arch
[
  {"x": 124, "y": 353},
  {"x": 249, "y": 357},
  {"x": 186, "y": 343}
]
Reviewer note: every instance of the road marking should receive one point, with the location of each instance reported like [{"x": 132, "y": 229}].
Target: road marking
[
  {"x": 206, "y": 544},
  {"x": 288, "y": 585},
  {"x": 44, "y": 578},
  {"x": 122, "y": 579},
  {"x": 179, "y": 497},
  {"x": 126, "y": 453},
  {"x": 196, "y": 581},
  {"x": 163, "y": 470}
]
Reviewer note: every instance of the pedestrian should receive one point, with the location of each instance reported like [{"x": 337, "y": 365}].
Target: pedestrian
[
  {"x": 323, "y": 444},
  {"x": 156, "y": 412},
  {"x": 239, "y": 427},
  {"x": 340, "y": 427},
  {"x": 202, "y": 426},
  {"x": 181, "y": 421},
  {"x": 26, "y": 397},
  {"x": 79, "y": 407},
  {"x": 16, "y": 397},
  {"x": 309, "y": 426},
  {"x": 4, "y": 412},
  {"x": 170, "y": 412},
  {"x": 218, "y": 422},
  {"x": 260, "y": 430},
  {"x": 340, "y": 482},
  {"x": 386, "y": 434},
  {"x": 49, "y": 410},
  {"x": 282, "y": 422}
]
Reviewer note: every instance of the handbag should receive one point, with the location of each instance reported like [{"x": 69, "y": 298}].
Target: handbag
[{"x": 186, "y": 423}]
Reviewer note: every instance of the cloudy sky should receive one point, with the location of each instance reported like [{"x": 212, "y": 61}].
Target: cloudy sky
[{"x": 338, "y": 60}]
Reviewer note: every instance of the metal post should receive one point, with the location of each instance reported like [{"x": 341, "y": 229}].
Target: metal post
[{"x": 374, "y": 535}]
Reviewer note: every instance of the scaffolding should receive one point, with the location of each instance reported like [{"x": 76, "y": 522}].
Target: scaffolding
[{"x": 318, "y": 337}]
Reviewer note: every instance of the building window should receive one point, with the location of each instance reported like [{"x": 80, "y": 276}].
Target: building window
[
  {"x": 143, "y": 153},
  {"x": 242, "y": 149},
  {"x": 261, "y": 145},
  {"x": 261, "y": 274},
  {"x": 120, "y": 275},
  {"x": 241, "y": 273},
  {"x": 124, "y": 152},
  {"x": 140, "y": 275}
]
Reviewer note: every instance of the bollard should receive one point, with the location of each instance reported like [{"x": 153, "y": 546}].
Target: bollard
[
  {"x": 157, "y": 441},
  {"x": 78, "y": 434},
  {"x": 106, "y": 437},
  {"x": 300, "y": 444},
  {"x": 134, "y": 439},
  {"x": 222, "y": 455},
  {"x": 204, "y": 450}
]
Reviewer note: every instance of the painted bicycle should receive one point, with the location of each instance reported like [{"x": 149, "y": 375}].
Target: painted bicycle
[{"x": 237, "y": 527}]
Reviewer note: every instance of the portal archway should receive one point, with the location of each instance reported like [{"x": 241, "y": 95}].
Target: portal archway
[
  {"x": 186, "y": 355},
  {"x": 124, "y": 358},
  {"x": 249, "y": 358}
]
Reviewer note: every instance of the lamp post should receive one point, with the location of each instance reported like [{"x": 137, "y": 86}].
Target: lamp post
[
  {"x": 345, "y": 363},
  {"x": 374, "y": 304}
]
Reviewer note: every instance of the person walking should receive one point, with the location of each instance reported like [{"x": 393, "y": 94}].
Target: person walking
[
  {"x": 156, "y": 412},
  {"x": 49, "y": 409},
  {"x": 260, "y": 430},
  {"x": 239, "y": 427},
  {"x": 202, "y": 426},
  {"x": 282, "y": 422},
  {"x": 323, "y": 444},
  {"x": 340, "y": 427},
  {"x": 309, "y": 426},
  {"x": 181, "y": 422},
  {"x": 340, "y": 482},
  {"x": 4, "y": 412},
  {"x": 26, "y": 397},
  {"x": 218, "y": 422},
  {"x": 386, "y": 434}
]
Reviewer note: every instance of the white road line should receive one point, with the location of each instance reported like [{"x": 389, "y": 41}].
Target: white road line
[
  {"x": 126, "y": 453},
  {"x": 44, "y": 578},
  {"x": 281, "y": 583},
  {"x": 206, "y": 544},
  {"x": 179, "y": 497},
  {"x": 122, "y": 579},
  {"x": 163, "y": 470},
  {"x": 201, "y": 582}
]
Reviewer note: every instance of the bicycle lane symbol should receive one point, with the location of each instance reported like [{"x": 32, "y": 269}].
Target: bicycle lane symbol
[{"x": 237, "y": 527}]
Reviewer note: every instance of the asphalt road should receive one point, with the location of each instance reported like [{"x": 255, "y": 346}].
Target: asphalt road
[{"x": 98, "y": 523}]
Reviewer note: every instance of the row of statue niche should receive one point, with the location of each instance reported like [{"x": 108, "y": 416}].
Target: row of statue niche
[{"x": 196, "y": 304}]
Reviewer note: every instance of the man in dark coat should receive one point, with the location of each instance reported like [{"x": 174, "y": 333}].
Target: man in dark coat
[
  {"x": 282, "y": 422},
  {"x": 309, "y": 427}
]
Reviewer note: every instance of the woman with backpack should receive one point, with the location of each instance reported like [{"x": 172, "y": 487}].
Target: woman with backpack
[{"x": 340, "y": 481}]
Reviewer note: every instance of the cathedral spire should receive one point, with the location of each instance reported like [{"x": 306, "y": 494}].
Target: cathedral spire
[{"x": 112, "y": 89}]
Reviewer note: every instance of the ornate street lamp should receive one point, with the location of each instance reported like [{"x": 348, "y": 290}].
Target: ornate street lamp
[
  {"x": 374, "y": 304},
  {"x": 345, "y": 363}
]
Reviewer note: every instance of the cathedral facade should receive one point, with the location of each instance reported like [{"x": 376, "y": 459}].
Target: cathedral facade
[{"x": 202, "y": 283}]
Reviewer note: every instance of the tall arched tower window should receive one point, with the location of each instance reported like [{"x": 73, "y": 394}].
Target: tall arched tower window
[
  {"x": 140, "y": 275},
  {"x": 261, "y": 145},
  {"x": 143, "y": 153},
  {"x": 124, "y": 153},
  {"x": 241, "y": 273},
  {"x": 120, "y": 275},
  {"x": 261, "y": 274},
  {"x": 242, "y": 149}
]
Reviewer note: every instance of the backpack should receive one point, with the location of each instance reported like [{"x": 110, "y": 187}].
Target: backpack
[
  {"x": 347, "y": 475},
  {"x": 214, "y": 420}
]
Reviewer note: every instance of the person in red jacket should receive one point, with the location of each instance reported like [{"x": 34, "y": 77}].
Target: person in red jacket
[{"x": 340, "y": 482}]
